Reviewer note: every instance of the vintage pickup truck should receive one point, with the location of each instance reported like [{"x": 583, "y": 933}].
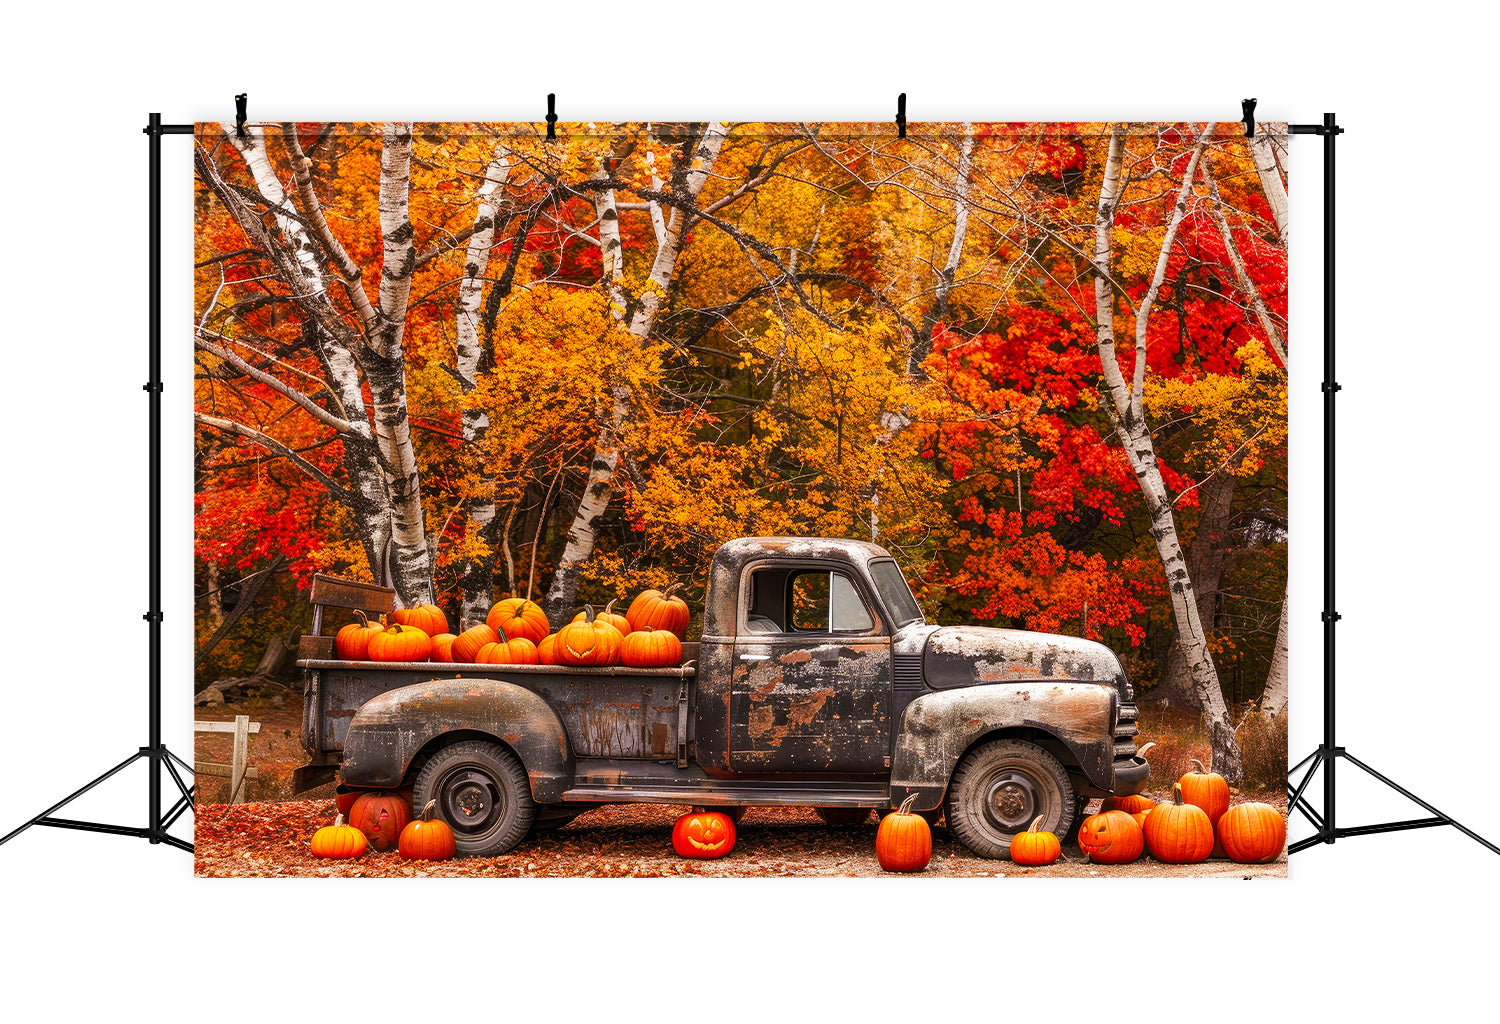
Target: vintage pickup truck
[{"x": 815, "y": 681}]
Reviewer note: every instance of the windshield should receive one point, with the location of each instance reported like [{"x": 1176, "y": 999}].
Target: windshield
[{"x": 894, "y": 592}]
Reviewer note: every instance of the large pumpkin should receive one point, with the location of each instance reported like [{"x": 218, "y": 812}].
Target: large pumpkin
[
  {"x": 659, "y": 609},
  {"x": 466, "y": 647},
  {"x": 904, "y": 840},
  {"x": 507, "y": 651},
  {"x": 1252, "y": 833},
  {"x": 610, "y": 616},
  {"x": 442, "y": 647},
  {"x": 521, "y": 618},
  {"x": 426, "y": 838},
  {"x": 400, "y": 643},
  {"x": 589, "y": 641},
  {"x": 1205, "y": 789},
  {"x": 381, "y": 817},
  {"x": 546, "y": 651},
  {"x": 651, "y": 648},
  {"x": 353, "y": 641},
  {"x": 1110, "y": 837},
  {"x": 338, "y": 841},
  {"x": 1129, "y": 804},
  {"x": 429, "y": 618},
  {"x": 1179, "y": 832},
  {"x": 703, "y": 835},
  {"x": 1033, "y": 848}
]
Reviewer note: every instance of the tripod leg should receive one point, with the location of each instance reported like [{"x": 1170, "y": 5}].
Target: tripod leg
[
  {"x": 76, "y": 794},
  {"x": 1418, "y": 800},
  {"x": 1297, "y": 802}
]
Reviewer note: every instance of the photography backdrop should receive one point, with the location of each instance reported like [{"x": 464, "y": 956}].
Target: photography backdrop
[{"x": 1042, "y": 363}]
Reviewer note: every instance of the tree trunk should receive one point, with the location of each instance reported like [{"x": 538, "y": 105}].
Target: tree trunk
[
  {"x": 1135, "y": 438},
  {"x": 922, "y": 346},
  {"x": 1206, "y": 566},
  {"x": 1274, "y": 700}
]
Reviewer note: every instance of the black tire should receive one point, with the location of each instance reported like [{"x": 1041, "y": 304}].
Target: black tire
[
  {"x": 481, "y": 792},
  {"x": 1080, "y": 811},
  {"x": 999, "y": 788}
]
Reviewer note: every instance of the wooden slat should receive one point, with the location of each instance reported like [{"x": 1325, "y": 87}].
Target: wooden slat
[
  {"x": 222, "y": 726},
  {"x": 222, "y": 771},
  {"x": 341, "y": 593}
]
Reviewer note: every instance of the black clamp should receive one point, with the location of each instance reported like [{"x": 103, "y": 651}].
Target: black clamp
[
  {"x": 551, "y": 116},
  {"x": 1331, "y": 616},
  {"x": 901, "y": 116},
  {"x": 152, "y": 616},
  {"x": 154, "y": 387},
  {"x": 1248, "y": 107},
  {"x": 1330, "y": 388},
  {"x": 240, "y": 102}
]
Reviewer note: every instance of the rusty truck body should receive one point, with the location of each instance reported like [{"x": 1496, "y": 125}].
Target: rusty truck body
[{"x": 815, "y": 681}]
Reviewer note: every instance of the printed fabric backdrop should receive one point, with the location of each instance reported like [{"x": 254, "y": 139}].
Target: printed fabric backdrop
[{"x": 1042, "y": 366}]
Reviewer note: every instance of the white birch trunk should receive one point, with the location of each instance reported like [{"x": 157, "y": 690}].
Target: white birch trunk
[
  {"x": 1242, "y": 277},
  {"x": 1274, "y": 700},
  {"x": 1135, "y": 437},
  {"x": 1269, "y": 154}
]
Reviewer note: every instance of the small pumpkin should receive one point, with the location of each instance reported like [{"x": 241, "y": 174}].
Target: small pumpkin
[
  {"x": 426, "y": 838},
  {"x": 1252, "y": 833},
  {"x": 610, "y": 616},
  {"x": 1110, "y": 837},
  {"x": 429, "y": 618},
  {"x": 381, "y": 817},
  {"x": 507, "y": 651},
  {"x": 1033, "y": 848},
  {"x": 660, "y": 609},
  {"x": 442, "y": 647},
  {"x": 339, "y": 841},
  {"x": 1206, "y": 789},
  {"x": 546, "y": 651},
  {"x": 651, "y": 648},
  {"x": 1179, "y": 832},
  {"x": 589, "y": 641},
  {"x": 1131, "y": 805},
  {"x": 352, "y": 643},
  {"x": 520, "y": 618},
  {"x": 703, "y": 835},
  {"x": 400, "y": 643},
  {"x": 466, "y": 647},
  {"x": 904, "y": 840}
]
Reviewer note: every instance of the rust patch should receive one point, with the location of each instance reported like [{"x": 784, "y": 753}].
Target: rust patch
[
  {"x": 795, "y": 657},
  {"x": 512, "y": 738}
]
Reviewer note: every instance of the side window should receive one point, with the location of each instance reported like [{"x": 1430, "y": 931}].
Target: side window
[{"x": 825, "y": 602}]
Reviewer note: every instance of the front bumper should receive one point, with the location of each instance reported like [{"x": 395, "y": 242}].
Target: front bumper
[{"x": 1131, "y": 776}]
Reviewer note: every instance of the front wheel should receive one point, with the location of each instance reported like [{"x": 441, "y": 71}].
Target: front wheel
[
  {"x": 1000, "y": 788},
  {"x": 481, "y": 792}
]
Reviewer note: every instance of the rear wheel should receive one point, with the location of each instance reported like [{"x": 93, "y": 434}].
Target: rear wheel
[
  {"x": 481, "y": 792},
  {"x": 1000, "y": 788}
]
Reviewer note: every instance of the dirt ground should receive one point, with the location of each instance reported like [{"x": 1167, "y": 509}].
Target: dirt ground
[{"x": 270, "y": 836}]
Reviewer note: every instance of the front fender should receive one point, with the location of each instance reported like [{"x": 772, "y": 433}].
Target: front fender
[
  {"x": 938, "y": 727},
  {"x": 391, "y": 729}
]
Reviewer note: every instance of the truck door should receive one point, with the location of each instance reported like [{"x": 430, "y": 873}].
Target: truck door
[{"x": 811, "y": 686}]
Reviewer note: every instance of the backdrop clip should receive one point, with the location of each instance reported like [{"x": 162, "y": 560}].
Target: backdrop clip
[
  {"x": 240, "y": 102},
  {"x": 551, "y": 115},
  {"x": 901, "y": 116},
  {"x": 1248, "y": 106}
]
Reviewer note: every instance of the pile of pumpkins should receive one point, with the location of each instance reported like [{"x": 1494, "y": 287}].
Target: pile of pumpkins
[
  {"x": 1197, "y": 824},
  {"x": 516, "y": 632},
  {"x": 379, "y": 821}
]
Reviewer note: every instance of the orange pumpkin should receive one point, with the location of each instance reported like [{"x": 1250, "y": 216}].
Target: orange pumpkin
[
  {"x": 1110, "y": 837},
  {"x": 400, "y": 643},
  {"x": 519, "y": 618},
  {"x": 904, "y": 840},
  {"x": 589, "y": 642},
  {"x": 426, "y": 838},
  {"x": 703, "y": 835},
  {"x": 466, "y": 647},
  {"x": 338, "y": 841},
  {"x": 1206, "y": 789},
  {"x": 1179, "y": 832},
  {"x": 1131, "y": 805},
  {"x": 442, "y": 647},
  {"x": 610, "y": 616},
  {"x": 1035, "y": 849},
  {"x": 659, "y": 609},
  {"x": 429, "y": 618},
  {"x": 353, "y": 641},
  {"x": 1252, "y": 833},
  {"x": 506, "y": 651},
  {"x": 546, "y": 651},
  {"x": 381, "y": 817},
  {"x": 651, "y": 648}
]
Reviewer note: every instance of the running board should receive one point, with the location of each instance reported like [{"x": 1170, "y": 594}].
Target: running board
[{"x": 611, "y": 786}]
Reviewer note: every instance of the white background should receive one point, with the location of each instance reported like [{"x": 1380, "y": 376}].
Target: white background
[{"x": 1390, "y": 923}]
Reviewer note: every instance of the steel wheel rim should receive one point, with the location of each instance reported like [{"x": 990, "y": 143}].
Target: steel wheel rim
[
  {"x": 470, "y": 800},
  {"x": 1011, "y": 800}
]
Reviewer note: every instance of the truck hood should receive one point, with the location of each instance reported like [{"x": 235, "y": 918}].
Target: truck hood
[{"x": 971, "y": 655}]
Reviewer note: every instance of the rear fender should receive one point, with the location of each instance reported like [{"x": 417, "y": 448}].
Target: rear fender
[
  {"x": 937, "y": 728},
  {"x": 388, "y": 731}
]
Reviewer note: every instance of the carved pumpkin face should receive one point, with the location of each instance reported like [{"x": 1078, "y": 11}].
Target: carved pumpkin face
[
  {"x": 588, "y": 642},
  {"x": 381, "y": 817},
  {"x": 703, "y": 835},
  {"x": 1110, "y": 837}
]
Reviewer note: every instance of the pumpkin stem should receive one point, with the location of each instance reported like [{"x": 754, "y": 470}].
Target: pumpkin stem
[
  {"x": 609, "y": 608},
  {"x": 1177, "y": 793},
  {"x": 364, "y": 620},
  {"x": 672, "y": 588},
  {"x": 427, "y": 810},
  {"x": 338, "y": 820},
  {"x": 499, "y": 629},
  {"x": 588, "y": 613},
  {"x": 1201, "y": 770},
  {"x": 906, "y": 804},
  {"x": 1034, "y": 824}
]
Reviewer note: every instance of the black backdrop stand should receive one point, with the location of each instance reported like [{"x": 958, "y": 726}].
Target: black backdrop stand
[
  {"x": 1329, "y": 753},
  {"x": 159, "y": 757},
  {"x": 1326, "y": 756}
]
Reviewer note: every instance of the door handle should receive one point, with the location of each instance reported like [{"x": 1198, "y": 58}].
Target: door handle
[{"x": 755, "y": 657}]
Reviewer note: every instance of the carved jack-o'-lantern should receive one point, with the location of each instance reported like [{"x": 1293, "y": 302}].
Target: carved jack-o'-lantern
[
  {"x": 703, "y": 835},
  {"x": 1111, "y": 837}
]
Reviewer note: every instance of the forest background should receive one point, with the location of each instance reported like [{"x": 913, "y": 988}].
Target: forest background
[{"x": 1412, "y": 420}]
